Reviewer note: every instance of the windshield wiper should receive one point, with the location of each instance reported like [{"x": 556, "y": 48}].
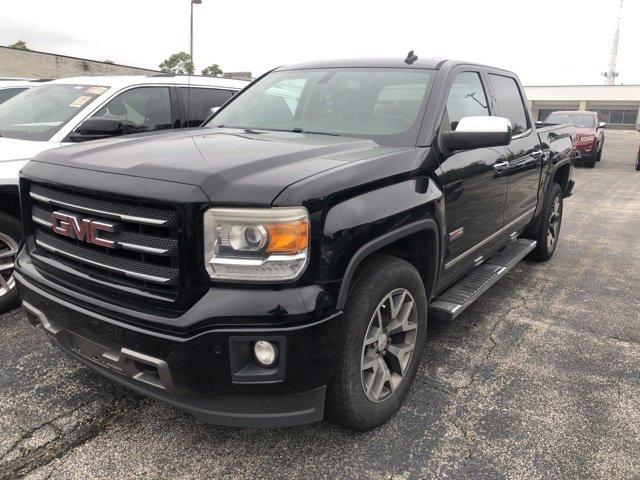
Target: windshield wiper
[
  {"x": 293, "y": 130},
  {"x": 300, "y": 130}
]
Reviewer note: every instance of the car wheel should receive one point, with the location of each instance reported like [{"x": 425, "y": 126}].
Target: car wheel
[
  {"x": 638, "y": 164},
  {"x": 383, "y": 333},
  {"x": 599, "y": 154},
  {"x": 10, "y": 237},
  {"x": 548, "y": 231},
  {"x": 591, "y": 162}
]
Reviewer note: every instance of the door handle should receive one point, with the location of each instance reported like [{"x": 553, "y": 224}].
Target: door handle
[{"x": 499, "y": 166}]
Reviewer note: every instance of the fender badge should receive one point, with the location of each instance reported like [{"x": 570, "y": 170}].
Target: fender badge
[{"x": 456, "y": 234}]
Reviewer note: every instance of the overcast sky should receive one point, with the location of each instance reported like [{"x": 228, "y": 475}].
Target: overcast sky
[{"x": 546, "y": 42}]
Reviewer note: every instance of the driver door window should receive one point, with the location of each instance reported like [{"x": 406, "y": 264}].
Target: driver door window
[
  {"x": 143, "y": 109},
  {"x": 466, "y": 99}
]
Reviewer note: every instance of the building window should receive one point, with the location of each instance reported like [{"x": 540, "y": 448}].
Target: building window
[{"x": 621, "y": 116}]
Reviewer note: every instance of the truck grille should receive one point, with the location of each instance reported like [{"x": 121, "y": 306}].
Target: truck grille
[{"x": 123, "y": 245}]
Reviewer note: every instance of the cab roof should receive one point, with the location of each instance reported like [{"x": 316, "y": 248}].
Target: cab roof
[
  {"x": 430, "y": 63},
  {"x": 434, "y": 63}
]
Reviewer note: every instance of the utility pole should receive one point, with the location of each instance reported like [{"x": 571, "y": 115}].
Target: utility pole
[
  {"x": 193, "y": 2},
  {"x": 611, "y": 74}
]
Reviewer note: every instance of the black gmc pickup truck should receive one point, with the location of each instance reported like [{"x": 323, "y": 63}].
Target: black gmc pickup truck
[{"x": 280, "y": 264}]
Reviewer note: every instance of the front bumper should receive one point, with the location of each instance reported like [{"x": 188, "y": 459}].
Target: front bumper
[
  {"x": 209, "y": 372},
  {"x": 585, "y": 151}
]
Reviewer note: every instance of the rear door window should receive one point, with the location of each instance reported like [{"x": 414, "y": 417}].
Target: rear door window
[
  {"x": 143, "y": 109},
  {"x": 510, "y": 104},
  {"x": 198, "y": 102}
]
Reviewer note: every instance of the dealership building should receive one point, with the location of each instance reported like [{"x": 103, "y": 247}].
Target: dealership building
[{"x": 618, "y": 105}]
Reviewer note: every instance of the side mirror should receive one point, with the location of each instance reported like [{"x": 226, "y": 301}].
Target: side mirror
[
  {"x": 602, "y": 125},
  {"x": 478, "y": 132},
  {"x": 95, "y": 128},
  {"x": 214, "y": 110}
]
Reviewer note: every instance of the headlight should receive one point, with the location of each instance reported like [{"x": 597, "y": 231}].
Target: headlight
[
  {"x": 256, "y": 245},
  {"x": 587, "y": 138}
]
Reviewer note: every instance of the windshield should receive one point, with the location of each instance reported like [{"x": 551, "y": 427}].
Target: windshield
[
  {"x": 575, "y": 119},
  {"x": 40, "y": 112},
  {"x": 381, "y": 104}
]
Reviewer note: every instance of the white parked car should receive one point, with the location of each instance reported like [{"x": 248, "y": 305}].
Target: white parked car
[{"x": 78, "y": 109}]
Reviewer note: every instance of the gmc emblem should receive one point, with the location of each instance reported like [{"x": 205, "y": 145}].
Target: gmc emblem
[{"x": 83, "y": 229}]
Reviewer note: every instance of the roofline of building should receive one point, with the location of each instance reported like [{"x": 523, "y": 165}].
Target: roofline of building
[{"x": 79, "y": 58}]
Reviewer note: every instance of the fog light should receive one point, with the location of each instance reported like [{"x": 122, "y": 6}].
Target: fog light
[{"x": 265, "y": 352}]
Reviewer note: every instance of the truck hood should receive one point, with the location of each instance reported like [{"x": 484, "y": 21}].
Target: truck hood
[
  {"x": 232, "y": 167},
  {"x": 13, "y": 149}
]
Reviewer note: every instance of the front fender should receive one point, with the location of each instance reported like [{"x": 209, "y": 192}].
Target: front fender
[{"x": 359, "y": 226}]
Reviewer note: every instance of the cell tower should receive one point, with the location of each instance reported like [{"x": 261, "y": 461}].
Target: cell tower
[{"x": 611, "y": 74}]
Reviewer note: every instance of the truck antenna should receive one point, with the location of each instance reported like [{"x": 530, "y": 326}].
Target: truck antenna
[{"x": 411, "y": 57}]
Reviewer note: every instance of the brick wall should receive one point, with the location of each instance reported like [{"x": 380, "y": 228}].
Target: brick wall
[{"x": 30, "y": 64}]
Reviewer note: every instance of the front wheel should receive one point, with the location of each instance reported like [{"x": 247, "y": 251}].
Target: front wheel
[
  {"x": 548, "y": 228},
  {"x": 638, "y": 164},
  {"x": 383, "y": 334},
  {"x": 10, "y": 237}
]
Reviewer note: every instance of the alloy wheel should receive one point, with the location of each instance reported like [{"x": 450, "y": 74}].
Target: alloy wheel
[
  {"x": 554, "y": 223},
  {"x": 8, "y": 252},
  {"x": 388, "y": 345}
]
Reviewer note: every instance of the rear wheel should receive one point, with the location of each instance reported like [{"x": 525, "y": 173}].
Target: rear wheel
[
  {"x": 10, "y": 237},
  {"x": 599, "y": 154},
  {"x": 591, "y": 161},
  {"x": 549, "y": 223},
  {"x": 638, "y": 163},
  {"x": 384, "y": 327}
]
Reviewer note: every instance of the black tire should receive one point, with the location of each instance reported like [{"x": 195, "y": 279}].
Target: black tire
[
  {"x": 10, "y": 237},
  {"x": 347, "y": 402},
  {"x": 591, "y": 161},
  {"x": 544, "y": 249},
  {"x": 638, "y": 164},
  {"x": 599, "y": 153}
]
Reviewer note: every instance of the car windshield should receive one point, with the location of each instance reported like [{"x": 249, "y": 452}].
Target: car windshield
[
  {"x": 380, "y": 104},
  {"x": 40, "y": 112},
  {"x": 575, "y": 119}
]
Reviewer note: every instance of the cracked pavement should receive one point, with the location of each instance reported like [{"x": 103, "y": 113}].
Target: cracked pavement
[{"x": 540, "y": 378}]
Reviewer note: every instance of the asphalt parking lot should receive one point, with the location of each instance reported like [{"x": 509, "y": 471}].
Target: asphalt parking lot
[{"x": 539, "y": 379}]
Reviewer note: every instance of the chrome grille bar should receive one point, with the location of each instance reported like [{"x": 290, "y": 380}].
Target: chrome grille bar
[
  {"x": 118, "y": 216},
  {"x": 128, "y": 273},
  {"x": 126, "y": 240}
]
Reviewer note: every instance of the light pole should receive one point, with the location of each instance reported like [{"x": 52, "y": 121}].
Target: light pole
[{"x": 193, "y": 2}]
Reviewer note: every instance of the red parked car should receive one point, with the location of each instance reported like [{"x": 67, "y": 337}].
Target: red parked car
[{"x": 589, "y": 139}]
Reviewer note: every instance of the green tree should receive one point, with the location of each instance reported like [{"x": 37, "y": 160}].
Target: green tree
[
  {"x": 178, "y": 63},
  {"x": 212, "y": 71},
  {"x": 20, "y": 45}
]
